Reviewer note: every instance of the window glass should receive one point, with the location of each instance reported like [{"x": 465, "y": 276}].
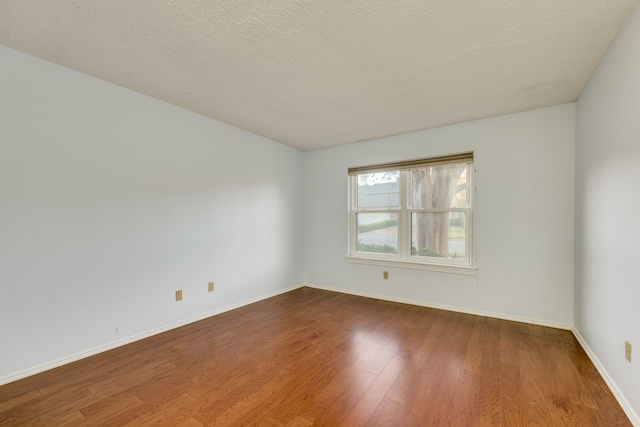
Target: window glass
[
  {"x": 440, "y": 235},
  {"x": 439, "y": 186},
  {"x": 378, "y": 233},
  {"x": 380, "y": 190}
]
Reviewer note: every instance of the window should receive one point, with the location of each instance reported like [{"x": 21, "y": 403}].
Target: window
[{"x": 415, "y": 213}]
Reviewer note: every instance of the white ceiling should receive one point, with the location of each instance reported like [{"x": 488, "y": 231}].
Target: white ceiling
[{"x": 319, "y": 73}]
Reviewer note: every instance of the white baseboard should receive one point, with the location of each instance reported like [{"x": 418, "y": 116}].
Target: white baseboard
[
  {"x": 447, "y": 307},
  {"x": 82, "y": 355},
  {"x": 631, "y": 414},
  {"x": 633, "y": 417}
]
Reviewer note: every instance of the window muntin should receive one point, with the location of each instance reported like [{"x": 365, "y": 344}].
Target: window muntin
[{"x": 419, "y": 212}]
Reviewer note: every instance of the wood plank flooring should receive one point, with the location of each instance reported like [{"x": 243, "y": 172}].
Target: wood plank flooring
[{"x": 317, "y": 358}]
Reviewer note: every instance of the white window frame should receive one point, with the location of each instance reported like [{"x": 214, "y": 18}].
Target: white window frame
[{"x": 403, "y": 258}]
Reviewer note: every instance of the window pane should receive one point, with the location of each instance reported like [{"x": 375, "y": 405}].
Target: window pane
[
  {"x": 439, "y": 187},
  {"x": 377, "y": 232},
  {"x": 439, "y": 234},
  {"x": 379, "y": 190}
]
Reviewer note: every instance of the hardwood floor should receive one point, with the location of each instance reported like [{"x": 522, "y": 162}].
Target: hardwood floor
[{"x": 311, "y": 357}]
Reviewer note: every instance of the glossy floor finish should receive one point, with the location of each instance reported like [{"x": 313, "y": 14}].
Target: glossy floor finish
[{"x": 312, "y": 357}]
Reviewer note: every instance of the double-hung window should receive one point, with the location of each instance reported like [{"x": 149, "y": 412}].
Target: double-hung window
[{"x": 415, "y": 213}]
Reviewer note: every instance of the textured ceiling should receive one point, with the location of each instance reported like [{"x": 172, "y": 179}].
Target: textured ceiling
[{"x": 318, "y": 73}]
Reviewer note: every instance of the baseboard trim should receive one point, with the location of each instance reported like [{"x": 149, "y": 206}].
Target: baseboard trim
[
  {"x": 628, "y": 410},
  {"x": 633, "y": 417},
  {"x": 445, "y": 307},
  {"x": 83, "y": 355}
]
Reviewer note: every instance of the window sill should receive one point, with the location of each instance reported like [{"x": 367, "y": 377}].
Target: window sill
[{"x": 442, "y": 268}]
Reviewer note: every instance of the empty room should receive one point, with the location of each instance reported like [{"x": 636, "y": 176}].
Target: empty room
[{"x": 319, "y": 213}]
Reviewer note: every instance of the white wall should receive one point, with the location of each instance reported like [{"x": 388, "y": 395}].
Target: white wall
[
  {"x": 523, "y": 218},
  {"x": 111, "y": 200},
  {"x": 607, "y": 291}
]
